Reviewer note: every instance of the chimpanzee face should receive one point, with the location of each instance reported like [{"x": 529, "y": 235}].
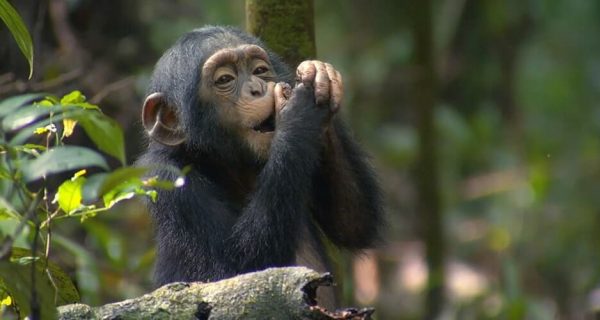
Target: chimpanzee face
[
  {"x": 239, "y": 83},
  {"x": 214, "y": 93}
]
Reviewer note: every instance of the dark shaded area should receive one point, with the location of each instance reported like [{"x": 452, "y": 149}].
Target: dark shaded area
[{"x": 203, "y": 312}]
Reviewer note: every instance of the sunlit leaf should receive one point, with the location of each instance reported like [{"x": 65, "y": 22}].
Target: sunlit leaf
[
  {"x": 62, "y": 158},
  {"x": 78, "y": 174},
  {"x": 152, "y": 194},
  {"x": 73, "y": 97},
  {"x": 41, "y": 130},
  {"x": 154, "y": 182},
  {"x": 69, "y": 194},
  {"x": 46, "y": 103},
  {"x": 112, "y": 198},
  {"x": 6, "y": 301},
  {"x": 18, "y": 30},
  {"x": 76, "y": 98}
]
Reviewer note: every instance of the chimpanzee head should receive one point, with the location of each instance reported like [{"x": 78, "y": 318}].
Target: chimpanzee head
[{"x": 212, "y": 94}]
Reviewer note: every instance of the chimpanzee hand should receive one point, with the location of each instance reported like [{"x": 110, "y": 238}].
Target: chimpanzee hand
[
  {"x": 282, "y": 92},
  {"x": 326, "y": 80},
  {"x": 297, "y": 110}
]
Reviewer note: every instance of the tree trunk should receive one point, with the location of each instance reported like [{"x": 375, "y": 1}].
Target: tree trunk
[
  {"x": 427, "y": 170},
  {"x": 286, "y": 27}
]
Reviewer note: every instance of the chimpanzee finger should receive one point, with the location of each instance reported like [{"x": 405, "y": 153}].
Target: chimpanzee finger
[
  {"x": 337, "y": 88},
  {"x": 305, "y": 73},
  {"x": 282, "y": 93},
  {"x": 322, "y": 85}
]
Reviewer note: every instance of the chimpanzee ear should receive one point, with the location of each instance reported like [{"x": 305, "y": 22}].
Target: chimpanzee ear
[{"x": 160, "y": 120}]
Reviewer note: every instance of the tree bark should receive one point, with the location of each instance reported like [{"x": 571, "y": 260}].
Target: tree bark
[
  {"x": 286, "y": 27},
  {"x": 277, "y": 293},
  {"x": 427, "y": 171}
]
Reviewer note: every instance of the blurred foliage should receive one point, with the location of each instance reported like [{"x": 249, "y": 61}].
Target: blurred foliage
[
  {"x": 518, "y": 125},
  {"x": 33, "y": 154}
]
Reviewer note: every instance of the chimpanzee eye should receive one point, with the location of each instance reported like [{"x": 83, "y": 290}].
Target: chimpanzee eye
[
  {"x": 260, "y": 70},
  {"x": 224, "y": 79}
]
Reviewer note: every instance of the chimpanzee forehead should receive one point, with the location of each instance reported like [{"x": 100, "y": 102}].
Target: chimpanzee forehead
[{"x": 233, "y": 55}]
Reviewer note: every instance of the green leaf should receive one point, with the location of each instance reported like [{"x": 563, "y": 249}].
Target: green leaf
[
  {"x": 17, "y": 28},
  {"x": 9, "y": 105},
  {"x": 67, "y": 293},
  {"x": 28, "y": 131},
  {"x": 76, "y": 98},
  {"x": 7, "y": 211},
  {"x": 26, "y": 116},
  {"x": 116, "y": 196},
  {"x": 62, "y": 158},
  {"x": 31, "y": 149},
  {"x": 69, "y": 194},
  {"x": 91, "y": 188},
  {"x": 16, "y": 280},
  {"x": 8, "y": 207},
  {"x": 105, "y": 133},
  {"x": 73, "y": 97},
  {"x": 100, "y": 184}
]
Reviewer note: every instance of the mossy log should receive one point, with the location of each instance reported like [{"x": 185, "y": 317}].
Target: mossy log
[{"x": 277, "y": 293}]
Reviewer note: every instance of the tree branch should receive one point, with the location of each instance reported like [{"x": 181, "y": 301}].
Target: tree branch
[{"x": 277, "y": 293}]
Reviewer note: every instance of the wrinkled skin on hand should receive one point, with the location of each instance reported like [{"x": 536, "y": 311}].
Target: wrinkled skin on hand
[{"x": 323, "y": 77}]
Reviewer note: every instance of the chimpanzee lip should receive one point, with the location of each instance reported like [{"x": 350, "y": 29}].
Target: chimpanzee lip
[{"x": 267, "y": 125}]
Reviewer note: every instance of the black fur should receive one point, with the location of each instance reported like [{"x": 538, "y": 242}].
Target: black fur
[{"x": 218, "y": 225}]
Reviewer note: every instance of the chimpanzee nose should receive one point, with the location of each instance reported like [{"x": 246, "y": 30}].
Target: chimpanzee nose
[{"x": 256, "y": 88}]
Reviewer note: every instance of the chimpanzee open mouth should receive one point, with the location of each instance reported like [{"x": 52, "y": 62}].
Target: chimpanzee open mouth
[{"x": 268, "y": 125}]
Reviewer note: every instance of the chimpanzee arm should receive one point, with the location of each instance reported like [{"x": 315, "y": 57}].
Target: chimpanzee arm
[
  {"x": 191, "y": 224},
  {"x": 267, "y": 233},
  {"x": 347, "y": 197},
  {"x": 200, "y": 237}
]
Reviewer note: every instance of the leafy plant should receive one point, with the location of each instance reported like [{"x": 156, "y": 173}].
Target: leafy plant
[
  {"x": 17, "y": 28},
  {"x": 34, "y": 156}
]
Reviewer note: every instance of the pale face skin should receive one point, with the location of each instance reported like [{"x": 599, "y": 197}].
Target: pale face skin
[{"x": 240, "y": 82}]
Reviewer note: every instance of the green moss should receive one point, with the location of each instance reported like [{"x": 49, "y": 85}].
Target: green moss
[{"x": 287, "y": 27}]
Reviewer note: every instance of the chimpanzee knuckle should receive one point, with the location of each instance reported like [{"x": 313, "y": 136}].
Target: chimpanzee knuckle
[
  {"x": 320, "y": 65},
  {"x": 304, "y": 64},
  {"x": 306, "y": 72}
]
